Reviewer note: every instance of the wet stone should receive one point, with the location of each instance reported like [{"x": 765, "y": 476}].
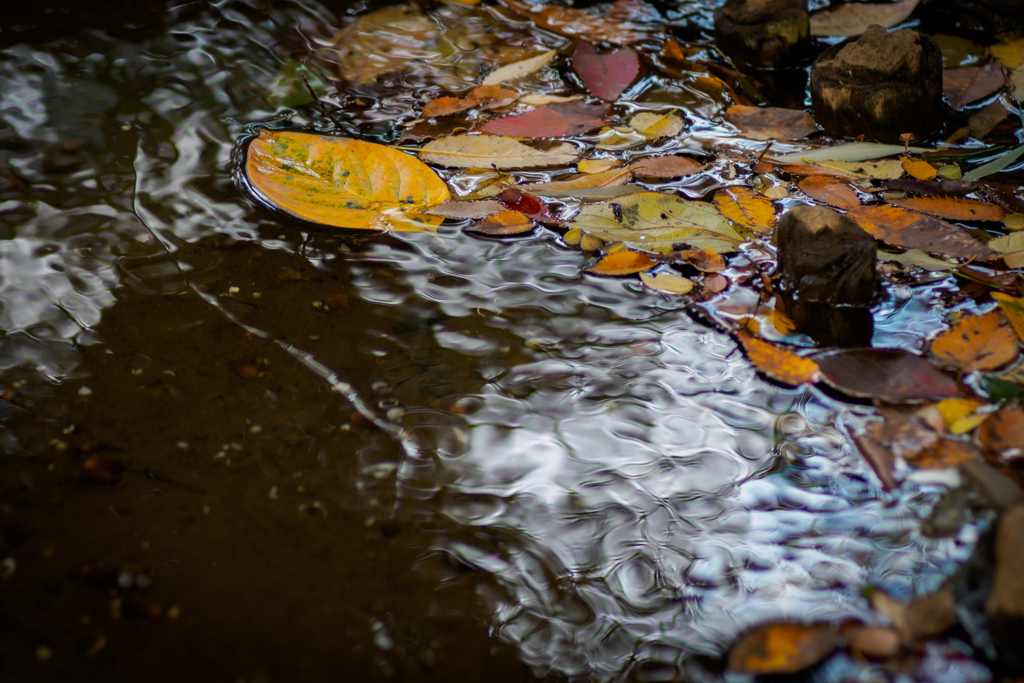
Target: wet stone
[
  {"x": 882, "y": 85},
  {"x": 763, "y": 33}
]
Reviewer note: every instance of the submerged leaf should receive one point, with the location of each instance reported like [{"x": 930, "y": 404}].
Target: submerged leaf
[
  {"x": 653, "y": 126},
  {"x": 515, "y": 70},
  {"x": 658, "y": 222},
  {"x": 765, "y": 123},
  {"x": 573, "y": 23},
  {"x": 976, "y": 342},
  {"x": 779, "y": 363},
  {"x": 783, "y": 648},
  {"x": 963, "y": 86},
  {"x": 890, "y": 375},
  {"x": 340, "y": 182},
  {"x": 382, "y": 41},
  {"x": 853, "y": 18},
  {"x": 549, "y": 121},
  {"x": 674, "y": 166},
  {"x": 746, "y": 207},
  {"x": 605, "y": 75},
  {"x": 910, "y": 230},
  {"x": 485, "y": 151}
]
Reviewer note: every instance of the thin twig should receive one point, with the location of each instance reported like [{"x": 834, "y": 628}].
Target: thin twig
[{"x": 323, "y": 109}]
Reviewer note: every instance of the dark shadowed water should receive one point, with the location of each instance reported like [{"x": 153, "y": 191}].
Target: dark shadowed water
[{"x": 335, "y": 456}]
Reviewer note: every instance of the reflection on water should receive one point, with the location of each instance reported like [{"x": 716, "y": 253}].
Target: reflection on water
[{"x": 601, "y": 475}]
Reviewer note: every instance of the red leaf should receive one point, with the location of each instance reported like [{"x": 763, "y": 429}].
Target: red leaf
[
  {"x": 550, "y": 121},
  {"x": 606, "y": 75},
  {"x": 515, "y": 200},
  {"x": 888, "y": 374}
]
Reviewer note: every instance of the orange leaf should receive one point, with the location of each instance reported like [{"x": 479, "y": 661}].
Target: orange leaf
[
  {"x": 953, "y": 208},
  {"x": 977, "y": 342},
  {"x": 746, "y": 207},
  {"x": 910, "y": 230},
  {"x": 341, "y": 182},
  {"x": 1002, "y": 435},
  {"x": 703, "y": 260},
  {"x": 829, "y": 191},
  {"x": 623, "y": 262},
  {"x": 671, "y": 50},
  {"x": 921, "y": 170},
  {"x": 782, "y": 648},
  {"x": 778, "y": 363},
  {"x": 483, "y": 97},
  {"x": 947, "y": 453},
  {"x": 504, "y": 223},
  {"x": 1014, "y": 310}
]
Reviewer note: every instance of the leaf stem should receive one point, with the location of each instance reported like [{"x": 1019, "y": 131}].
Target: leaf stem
[{"x": 319, "y": 102}]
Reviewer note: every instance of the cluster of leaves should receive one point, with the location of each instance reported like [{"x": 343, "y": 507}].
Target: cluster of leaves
[{"x": 610, "y": 190}]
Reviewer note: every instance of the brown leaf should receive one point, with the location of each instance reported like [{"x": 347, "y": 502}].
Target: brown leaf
[
  {"x": 963, "y": 86},
  {"x": 932, "y": 188},
  {"x": 462, "y": 208},
  {"x": 783, "y": 648},
  {"x": 952, "y": 208},
  {"x": 1002, "y": 435},
  {"x": 778, "y": 362},
  {"x": 829, "y": 191},
  {"x": 504, "y": 223},
  {"x": 656, "y": 168},
  {"x": 573, "y": 23},
  {"x": 764, "y": 123},
  {"x": 976, "y": 342},
  {"x": 925, "y": 618},
  {"x": 746, "y": 207},
  {"x": 879, "y": 457},
  {"x": 911, "y": 230},
  {"x": 890, "y": 375},
  {"x": 907, "y": 431},
  {"x": 623, "y": 262},
  {"x": 947, "y": 453},
  {"x": 985, "y": 121},
  {"x": 549, "y": 121}
]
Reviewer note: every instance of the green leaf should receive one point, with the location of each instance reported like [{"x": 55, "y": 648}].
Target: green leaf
[
  {"x": 656, "y": 222},
  {"x": 848, "y": 151},
  {"x": 995, "y": 165}
]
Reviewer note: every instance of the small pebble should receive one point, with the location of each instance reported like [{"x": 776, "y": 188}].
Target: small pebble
[
  {"x": 949, "y": 172},
  {"x": 233, "y": 290},
  {"x": 395, "y": 414},
  {"x": 7, "y": 567},
  {"x": 85, "y": 392},
  {"x": 273, "y": 493},
  {"x": 43, "y": 653},
  {"x": 255, "y": 429},
  {"x": 174, "y": 611}
]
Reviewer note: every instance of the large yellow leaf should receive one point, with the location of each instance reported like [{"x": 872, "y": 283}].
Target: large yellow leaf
[
  {"x": 656, "y": 222},
  {"x": 340, "y": 182},
  {"x": 746, "y": 207}
]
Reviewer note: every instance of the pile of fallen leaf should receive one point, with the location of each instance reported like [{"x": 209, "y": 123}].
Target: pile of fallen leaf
[{"x": 604, "y": 113}]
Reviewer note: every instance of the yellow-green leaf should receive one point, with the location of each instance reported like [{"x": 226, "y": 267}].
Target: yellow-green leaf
[
  {"x": 340, "y": 182},
  {"x": 656, "y": 222},
  {"x": 653, "y": 126}
]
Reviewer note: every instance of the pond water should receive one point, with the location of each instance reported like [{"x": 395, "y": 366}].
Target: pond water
[{"x": 423, "y": 455}]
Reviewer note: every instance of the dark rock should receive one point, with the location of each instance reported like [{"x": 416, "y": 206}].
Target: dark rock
[
  {"x": 880, "y": 85},
  {"x": 763, "y": 33}
]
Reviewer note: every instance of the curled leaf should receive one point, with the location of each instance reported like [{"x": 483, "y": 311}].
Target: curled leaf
[
  {"x": 524, "y": 67},
  {"x": 623, "y": 262}
]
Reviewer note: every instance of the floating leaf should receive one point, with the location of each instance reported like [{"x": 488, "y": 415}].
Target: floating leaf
[
  {"x": 952, "y": 208},
  {"x": 916, "y": 257},
  {"x": 932, "y": 188},
  {"x": 746, "y": 207},
  {"x": 765, "y": 123},
  {"x": 653, "y": 126},
  {"x": 515, "y": 70},
  {"x": 1011, "y": 247},
  {"x": 879, "y": 457},
  {"x": 573, "y": 23},
  {"x": 516, "y": 200},
  {"x": 605, "y": 75},
  {"x": 830, "y": 191},
  {"x": 1013, "y": 308},
  {"x": 610, "y": 178},
  {"x": 910, "y": 230},
  {"x": 921, "y": 170},
  {"x": 668, "y": 283},
  {"x": 1002, "y": 435},
  {"x": 461, "y": 208},
  {"x": 783, "y": 648},
  {"x": 847, "y": 151},
  {"x": 702, "y": 259},
  {"x": 976, "y": 342},
  {"x": 549, "y": 121},
  {"x": 779, "y": 363},
  {"x": 852, "y": 19},
  {"x": 504, "y": 223},
  {"x": 382, "y": 41},
  {"x": 537, "y": 99},
  {"x": 890, "y": 375},
  {"x": 658, "y": 222},
  {"x": 985, "y": 121},
  {"x": 483, "y": 97},
  {"x": 674, "y": 166},
  {"x": 340, "y": 182},
  {"x": 963, "y": 86},
  {"x": 597, "y": 165},
  {"x": 623, "y": 262},
  {"x": 996, "y": 165},
  {"x": 485, "y": 151},
  {"x": 888, "y": 169}
]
